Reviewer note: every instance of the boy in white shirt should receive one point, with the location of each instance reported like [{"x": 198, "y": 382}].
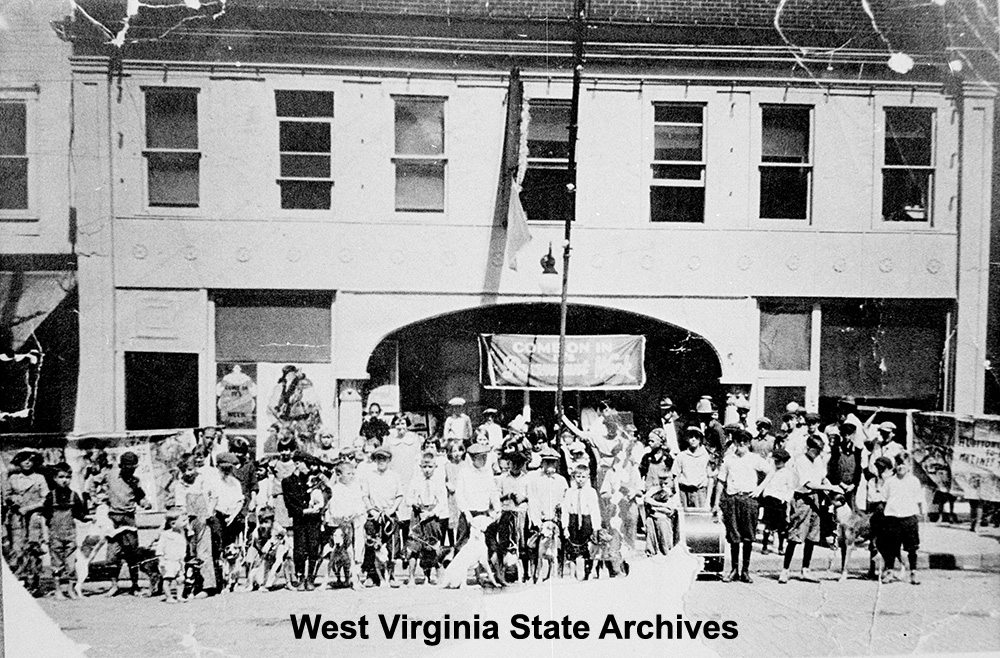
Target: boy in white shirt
[
  {"x": 427, "y": 497},
  {"x": 740, "y": 476},
  {"x": 346, "y": 513},
  {"x": 581, "y": 516},
  {"x": 904, "y": 508},
  {"x": 777, "y": 495}
]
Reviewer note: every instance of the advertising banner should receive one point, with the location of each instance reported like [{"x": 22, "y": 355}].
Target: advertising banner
[
  {"x": 959, "y": 455},
  {"x": 519, "y": 361}
]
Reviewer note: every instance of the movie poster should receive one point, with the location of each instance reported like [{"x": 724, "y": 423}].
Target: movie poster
[{"x": 236, "y": 395}]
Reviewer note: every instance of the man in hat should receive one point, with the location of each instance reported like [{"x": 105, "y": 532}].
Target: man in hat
[
  {"x": 383, "y": 492},
  {"x": 475, "y": 493},
  {"x": 847, "y": 410},
  {"x": 124, "y": 496},
  {"x": 457, "y": 425},
  {"x": 763, "y": 442},
  {"x": 708, "y": 421},
  {"x": 667, "y": 428},
  {"x": 742, "y": 479},
  {"x": 23, "y": 497}
]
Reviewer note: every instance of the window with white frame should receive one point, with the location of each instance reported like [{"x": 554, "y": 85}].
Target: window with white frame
[
  {"x": 785, "y": 162},
  {"x": 677, "y": 191},
  {"x": 419, "y": 153},
  {"x": 13, "y": 155},
  {"x": 908, "y": 171},
  {"x": 172, "y": 155},
  {"x": 304, "y": 143},
  {"x": 543, "y": 191}
]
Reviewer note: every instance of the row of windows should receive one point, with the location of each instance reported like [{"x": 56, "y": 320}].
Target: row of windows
[{"x": 679, "y": 167}]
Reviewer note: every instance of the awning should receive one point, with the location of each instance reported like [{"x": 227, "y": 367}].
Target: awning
[{"x": 27, "y": 298}]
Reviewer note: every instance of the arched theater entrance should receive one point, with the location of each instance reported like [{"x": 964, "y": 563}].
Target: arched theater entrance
[{"x": 426, "y": 363}]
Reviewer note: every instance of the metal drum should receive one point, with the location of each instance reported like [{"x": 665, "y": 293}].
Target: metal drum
[{"x": 705, "y": 537}]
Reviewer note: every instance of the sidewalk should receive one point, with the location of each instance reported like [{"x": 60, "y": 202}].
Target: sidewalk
[{"x": 942, "y": 546}]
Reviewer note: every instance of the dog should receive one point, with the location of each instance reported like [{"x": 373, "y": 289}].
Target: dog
[
  {"x": 547, "y": 551},
  {"x": 339, "y": 569},
  {"x": 376, "y": 560},
  {"x": 474, "y": 555},
  {"x": 606, "y": 551},
  {"x": 854, "y": 528}
]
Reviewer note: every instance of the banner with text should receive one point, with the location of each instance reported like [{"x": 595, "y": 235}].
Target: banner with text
[
  {"x": 959, "y": 455},
  {"x": 517, "y": 361}
]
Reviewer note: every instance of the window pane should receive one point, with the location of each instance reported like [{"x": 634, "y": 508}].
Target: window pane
[
  {"x": 161, "y": 390},
  {"x": 785, "y": 339},
  {"x": 548, "y": 131},
  {"x": 305, "y": 195},
  {"x": 13, "y": 183},
  {"x": 274, "y": 327},
  {"x": 677, "y": 204},
  {"x": 678, "y": 113},
  {"x": 905, "y": 195},
  {"x": 677, "y": 143},
  {"x": 785, "y": 135},
  {"x": 304, "y": 103},
  {"x": 419, "y": 127},
  {"x": 13, "y": 129},
  {"x": 908, "y": 136},
  {"x": 677, "y": 172},
  {"x": 305, "y": 166},
  {"x": 776, "y": 399},
  {"x": 171, "y": 119},
  {"x": 784, "y": 192},
  {"x": 419, "y": 186},
  {"x": 543, "y": 194},
  {"x": 304, "y": 136},
  {"x": 173, "y": 179}
]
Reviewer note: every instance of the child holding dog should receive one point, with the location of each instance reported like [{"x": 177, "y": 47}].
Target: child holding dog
[
  {"x": 428, "y": 500},
  {"x": 346, "y": 511},
  {"x": 904, "y": 507},
  {"x": 62, "y": 508},
  {"x": 581, "y": 516}
]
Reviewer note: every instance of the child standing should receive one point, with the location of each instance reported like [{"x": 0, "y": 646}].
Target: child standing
[
  {"x": 777, "y": 495},
  {"x": 904, "y": 507},
  {"x": 171, "y": 549},
  {"x": 23, "y": 498},
  {"x": 346, "y": 512},
  {"x": 876, "y": 507},
  {"x": 62, "y": 508},
  {"x": 428, "y": 500},
  {"x": 581, "y": 515}
]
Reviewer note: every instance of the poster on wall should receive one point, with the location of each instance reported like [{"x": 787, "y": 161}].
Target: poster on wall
[
  {"x": 236, "y": 395},
  {"x": 298, "y": 396},
  {"x": 960, "y": 456}
]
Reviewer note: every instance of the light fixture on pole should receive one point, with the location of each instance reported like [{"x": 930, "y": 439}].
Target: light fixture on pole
[{"x": 550, "y": 282}]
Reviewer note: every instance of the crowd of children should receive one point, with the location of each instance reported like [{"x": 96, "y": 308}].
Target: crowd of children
[{"x": 394, "y": 505}]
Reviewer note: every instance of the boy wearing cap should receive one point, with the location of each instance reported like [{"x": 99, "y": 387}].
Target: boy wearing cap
[
  {"x": 306, "y": 521},
  {"x": 763, "y": 442},
  {"x": 741, "y": 481},
  {"x": 383, "y": 494},
  {"x": 457, "y": 425},
  {"x": 775, "y": 500},
  {"x": 124, "y": 495},
  {"x": 23, "y": 497},
  {"x": 692, "y": 471},
  {"x": 475, "y": 492}
]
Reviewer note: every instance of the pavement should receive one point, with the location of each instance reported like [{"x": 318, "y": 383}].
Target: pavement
[{"x": 942, "y": 546}]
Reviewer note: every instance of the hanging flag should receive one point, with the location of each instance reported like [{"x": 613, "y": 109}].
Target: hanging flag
[{"x": 508, "y": 212}]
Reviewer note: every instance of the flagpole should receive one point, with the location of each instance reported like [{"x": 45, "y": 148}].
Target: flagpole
[{"x": 580, "y": 25}]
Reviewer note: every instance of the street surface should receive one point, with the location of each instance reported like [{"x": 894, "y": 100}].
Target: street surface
[{"x": 951, "y": 611}]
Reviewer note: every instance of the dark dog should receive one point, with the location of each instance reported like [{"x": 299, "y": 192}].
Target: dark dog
[{"x": 340, "y": 559}]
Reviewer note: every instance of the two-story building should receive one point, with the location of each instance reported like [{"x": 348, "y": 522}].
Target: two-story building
[{"x": 776, "y": 209}]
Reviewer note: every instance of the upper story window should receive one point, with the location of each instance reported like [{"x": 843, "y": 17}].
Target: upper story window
[
  {"x": 785, "y": 162},
  {"x": 420, "y": 153},
  {"x": 13, "y": 155},
  {"x": 677, "y": 192},
  {"x": 543, "y": 191},
  {"x": 172, "y": 155},
  {"x": 304, "y": 142},
  {"x": 908, "y": 171}
]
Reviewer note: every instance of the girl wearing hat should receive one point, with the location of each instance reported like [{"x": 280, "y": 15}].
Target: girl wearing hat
[{"x": 23, "y": 498}]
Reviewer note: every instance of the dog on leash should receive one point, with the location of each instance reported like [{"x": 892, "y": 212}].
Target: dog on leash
[
  {"x": 547, "y": 552},
  {"x": 606, "y": 550},
  {"x": 474, "y": 555},
  {"x": 339, "y": 568},
  {"x": 854, "y": 528}
]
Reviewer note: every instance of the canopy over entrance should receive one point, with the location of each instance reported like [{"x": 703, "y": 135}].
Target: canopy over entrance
[{"x": 434, "y": 360}]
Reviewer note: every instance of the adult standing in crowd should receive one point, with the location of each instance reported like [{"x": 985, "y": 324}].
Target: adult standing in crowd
[
  {"x": 372, "y": 425},
  {"x": 405, "y": 448},
  {"x": 124, "y": 496}
]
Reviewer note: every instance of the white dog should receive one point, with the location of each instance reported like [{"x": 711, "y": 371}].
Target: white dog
[{"x": 473, "y": 555}]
